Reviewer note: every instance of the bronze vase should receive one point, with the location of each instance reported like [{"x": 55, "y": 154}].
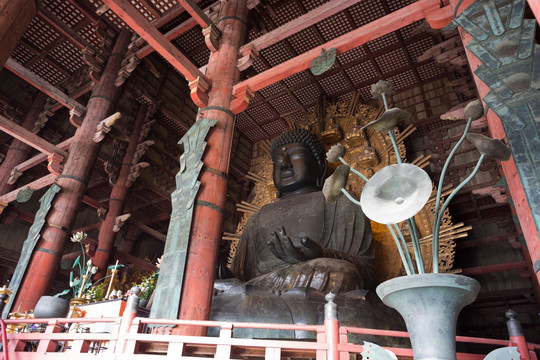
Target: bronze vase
[{"x": 430, "y": 305}]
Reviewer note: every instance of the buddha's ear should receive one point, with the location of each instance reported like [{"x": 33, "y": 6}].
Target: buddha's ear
[{"x": 322, "y": 176}]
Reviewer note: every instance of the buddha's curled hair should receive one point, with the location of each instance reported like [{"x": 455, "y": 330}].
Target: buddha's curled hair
[{"x": 305, "y": 137}]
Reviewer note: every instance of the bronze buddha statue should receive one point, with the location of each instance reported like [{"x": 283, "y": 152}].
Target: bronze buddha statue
[
  {"x": 302, "y": 240},
  {"x": 295, "y": 250}
]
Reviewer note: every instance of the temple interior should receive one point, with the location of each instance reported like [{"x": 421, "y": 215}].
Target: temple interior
[{"x": 300, "y": 64}]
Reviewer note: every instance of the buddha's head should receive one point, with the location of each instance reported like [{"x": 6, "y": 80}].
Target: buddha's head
[{"x": 299, "y": 162}]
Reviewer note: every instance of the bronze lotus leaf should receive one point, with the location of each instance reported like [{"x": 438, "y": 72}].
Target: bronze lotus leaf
[
  {"x": 474, "y": 110},
  {"x": 493, "y": 148},
  {"x": 395, "y": 193},
  {"x": 389, "y": 119},
  {"x": 333, "y": 184}
]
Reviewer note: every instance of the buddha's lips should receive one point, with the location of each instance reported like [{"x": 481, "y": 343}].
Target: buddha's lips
[{"x": 286, "y": 174}]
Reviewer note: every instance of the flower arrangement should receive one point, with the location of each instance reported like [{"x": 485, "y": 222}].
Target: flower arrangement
[
  {"x": 83, "y": 282},
  {"x": 147, "y": 286},
  {"x": 82, "y": 285}
]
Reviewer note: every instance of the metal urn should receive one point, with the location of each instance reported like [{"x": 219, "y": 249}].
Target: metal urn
[{"x": 430, "y": 305}]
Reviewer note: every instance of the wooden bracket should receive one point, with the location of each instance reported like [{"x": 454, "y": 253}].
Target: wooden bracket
[
  {"x": 248, "y": 56},
  {"x": 76, "y": 117},
  {"x": 112, "y": 171},
  {"x": 101, "y": 213},
  {"x": 3, "y": 205},
  {"x": 211, "y": 37},
  {"x": 14, "y": 176},
  {"x": 439, "y": 18},
  {"x": 55, "y": 163},
  {"x": 92, "y": 59},
  {"x": 120, "y": 221},
  {"x": 104, "y": 127},
  {"x": 127, "y": 68},
  {"x": 42, "y": 119},
  {"x": 199, "y": 91},
  {"x": 241, "y": 101},
  {"x": 135, "y": 172},
  {"x": 141, "y": 150}
]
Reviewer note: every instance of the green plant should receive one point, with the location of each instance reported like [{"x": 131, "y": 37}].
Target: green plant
[
  {"x": 147, "y": 286},
  {"x": 97, "y": 292}
]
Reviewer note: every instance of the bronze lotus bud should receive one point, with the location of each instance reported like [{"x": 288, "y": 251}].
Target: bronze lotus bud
[{"x": 474, "y": 110}]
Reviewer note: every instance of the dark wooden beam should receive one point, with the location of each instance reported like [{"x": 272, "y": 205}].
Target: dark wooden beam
[
  {"x": 63, "y": 29},
  {"x": 148, "y": 230},
  {"x": 196, "y": 13},
  {"x": 38, "y": 159},
  {"x": 35, "y": 185},
  {"x": 136, "y": 21},
  {"x": 298, "y": 24},
  {"x": 375, "y": 29},
  {"x": 43, "y": 85},
  {"x": 29, "y": 138},
  {"x": 94, "y": 203},
  {"x": 520, "y": 266},
  {"x": 125, "y": 258},
  {"x": 177, "y": 30}
]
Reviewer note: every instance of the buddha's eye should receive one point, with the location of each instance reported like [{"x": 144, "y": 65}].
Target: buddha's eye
[{"x": 278, "y": 158}]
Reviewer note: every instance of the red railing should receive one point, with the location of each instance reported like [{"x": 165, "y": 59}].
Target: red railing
[
  {"x": 127, "y": 339},
  {"x": 4, "y": 340}
]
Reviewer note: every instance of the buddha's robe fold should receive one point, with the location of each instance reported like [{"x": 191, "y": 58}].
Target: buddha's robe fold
[{"x": 340, "y": 227}]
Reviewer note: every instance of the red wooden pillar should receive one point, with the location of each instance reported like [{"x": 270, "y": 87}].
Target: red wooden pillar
[
  {"x": 210, "y": 203},
  {"x": 117, "y": 199},
  {"x": 82, "y": 156},
  {"x": 508, "y": 167},
  {"x": 18, "y": 151},
  {"x": 129, "y": 239},
  {"x": 15, "y": 16}
]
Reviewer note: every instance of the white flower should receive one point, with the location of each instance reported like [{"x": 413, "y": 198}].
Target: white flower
[
  {"x": 78, "y": 237},
  {"x": 94, "y": 269},
  {"x": 89, "y": 263},
  {"x": 335, "y": 153}
]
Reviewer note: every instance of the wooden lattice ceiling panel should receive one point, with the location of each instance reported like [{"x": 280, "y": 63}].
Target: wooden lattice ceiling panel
[
  {"x": 276, "y": 127},
  {"x": 289, "y": 10},
  {"x": 64, "y": 10},
  {"x": 352, "y": 55},
  {"x": 366, "y": 11},
  {"x": 417, "y": 48},
  {"x": 308, "y": 94},
  {"x": 334, "y": 83},
  {"x": 66, "y": 54},
  {"x": 242, "y": 122},
  {"x": 383, "y": 42},
  {"x": 22, "y": 55},
  {"x": 391, "y": 61},
  {"x": 47, "y": 71},
  {"x": 335, "y": 26},
  {"x": 283, "y": 104},
  {"x": 361, "y": 72},
  {"x": 39, "y": 34}
]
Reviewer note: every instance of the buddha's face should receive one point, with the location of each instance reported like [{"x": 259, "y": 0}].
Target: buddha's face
[{"x": 295, "y": 168}]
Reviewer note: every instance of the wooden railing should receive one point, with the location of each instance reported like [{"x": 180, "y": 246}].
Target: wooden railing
[{"x": 129, "y": 337}]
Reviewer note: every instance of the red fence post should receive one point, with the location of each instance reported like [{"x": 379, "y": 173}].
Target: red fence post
[
  {"x": 130, "y": 312},
  {"x": 516, "y": 335},
  {"x": 331, "y": 325},
  {"x": 4, "y": 340}
]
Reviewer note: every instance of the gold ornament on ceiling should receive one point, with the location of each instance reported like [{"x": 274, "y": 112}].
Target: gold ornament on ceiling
[{"x": 367, "y": 151}]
